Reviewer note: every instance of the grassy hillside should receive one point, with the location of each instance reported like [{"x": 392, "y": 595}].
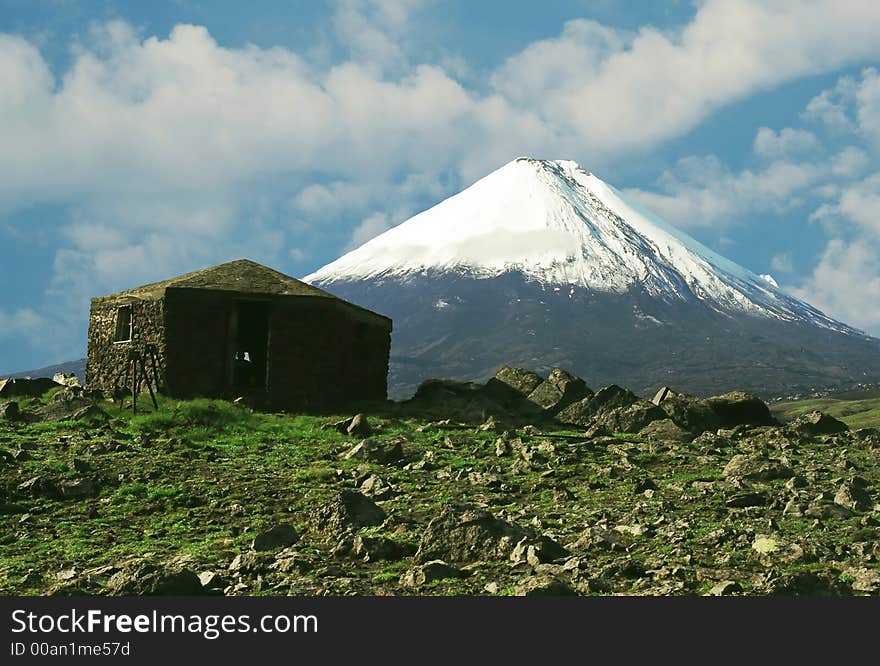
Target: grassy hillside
[
  {"x": 142, "y": 504},
  {"x": 858, "y": 409}
]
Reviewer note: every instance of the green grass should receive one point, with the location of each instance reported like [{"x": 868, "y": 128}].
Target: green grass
[
  {"x": 202, "y": 477},
  {"x": 856, "y": 413}
]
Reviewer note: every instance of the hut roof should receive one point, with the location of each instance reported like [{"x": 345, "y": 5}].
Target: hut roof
[{"x": 242, "y": 275}]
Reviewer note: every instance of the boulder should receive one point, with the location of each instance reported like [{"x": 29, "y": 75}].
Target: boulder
[
  {"x": 77, "y": 489},
  {"x": 371, "y": 450},
  {"x": 429, "y": 572},
  {"x": 373, "y": 549},
  {"x": 542, "y": 550},
  {"x": 631, "y": 418},
  {"x": 853, "y": 494},
  {"x": 558, "y": 391},
  {"x": 467, "y": 534},
  {"x": 543, "y": 585},
  {"x": 583, "y": 412},
  {"x": 140, "y": 577},
  {"x": 66, "y": 379},
  {"x": 740, "y": 408},
  {"x": 665, "y": 430},
  {"x": 359, "y": 426},
  {"x": 69, "y": 409},
  {"x": 662, "y": 394},
  {"x": 690, "y": 413},
  {"x": 725, "y": 588},
  {"x": 462, "y": 401},
  {"x": 10, "y": 411},
  {"x": 280, "y": 536},
  {"x": 347, "y": 511},
  {"x": 18, "y": 387},
  {"x": 755, "y": 468},
  {"x": 817, "y": 423},
  {"x": 520, "y": 380}
]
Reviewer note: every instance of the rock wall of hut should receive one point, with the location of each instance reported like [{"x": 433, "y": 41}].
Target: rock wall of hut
[
  {"x": 322, "y": 352},
  {"x": 107, "y": 366}
]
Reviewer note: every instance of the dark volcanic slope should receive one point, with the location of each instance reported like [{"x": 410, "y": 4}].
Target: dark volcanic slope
[{"x": 446, "y": 325}]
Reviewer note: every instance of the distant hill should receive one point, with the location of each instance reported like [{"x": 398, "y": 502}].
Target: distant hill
[{"x": 77, "y": 367}]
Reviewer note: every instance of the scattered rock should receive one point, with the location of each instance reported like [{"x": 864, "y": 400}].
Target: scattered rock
[
  {"x": 280, "y": 536},
  {"x": 631, "y": 418},
  {"x": 359, "y": 426},
  {"x": 853, "y": 495},
  {"x": 747, "y": 499},
  {"x": 805, "y": 582},
  {"x": 543, "y": 585},
  {"x": 817, "y": 423},
  {"x": 584, "y": 412},
  {"x": 211, "y": 580},
  {"x": 755, "y": 468},
  {"x": 371, "y": 450},
  {"x": 372, "y": 549},
  {"x": 665, "y": 429},
  {"x": 26, "y": 387},
  {"x": 349, "y": 510},
  {"x": 865, "y": 580},
  {"x": 376, "y": 487},
  {"x": 690, "y": 413},
  {"x": 142, "y": 577},
  {"x": 430, "y": 572},
  {"x": 77, "y": 489},
  {"x": 251, "y": 563},
  {"x": 740, "y": 408},
  {"x": 725, "y": 588},
  {"x": 542, "y": 550},
  {"x": 66, "y": 379},
  {"x": 502, "y": 447},
  {"x": 10, "y": 411},
  {"x": 764, "y": 544},
  {"x": 466, "y": 534},
  {"x": 558, "y": 391}
]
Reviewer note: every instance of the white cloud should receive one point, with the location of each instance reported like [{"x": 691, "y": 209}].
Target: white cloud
[
  {"x": 788, "y": 142},
  {"x": 782, "y": 263},
  {"x": 702, "y": 192},
  {"x": 857, "y": 204},
  {"x": 850, "y": 162},
  {"x": 21, "y": 322},
  {"x": 369, "y": 228},
  {"x": 621, "y": 91},
  {"x": 846, "y": 283}
]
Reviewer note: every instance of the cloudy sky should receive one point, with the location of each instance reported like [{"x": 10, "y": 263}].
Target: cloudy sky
[{"x": 140, "y": 140}]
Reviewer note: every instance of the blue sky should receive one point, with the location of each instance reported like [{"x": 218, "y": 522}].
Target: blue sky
[{"x": 143, "y": 140}]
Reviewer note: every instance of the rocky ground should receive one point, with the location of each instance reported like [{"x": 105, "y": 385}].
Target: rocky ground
[{"x": 524, "y": 485}]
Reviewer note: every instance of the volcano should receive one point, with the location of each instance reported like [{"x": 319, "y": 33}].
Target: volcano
[{"x": 542, "y": 264}]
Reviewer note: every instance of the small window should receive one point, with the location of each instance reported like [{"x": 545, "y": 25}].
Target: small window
[{"x": 123, "y": 324}]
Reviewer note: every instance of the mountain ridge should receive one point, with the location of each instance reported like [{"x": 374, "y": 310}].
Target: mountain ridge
[{"x": 546, "y": 261}]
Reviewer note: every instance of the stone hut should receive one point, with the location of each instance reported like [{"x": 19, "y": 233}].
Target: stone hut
[{"x": 241, "y": 329}]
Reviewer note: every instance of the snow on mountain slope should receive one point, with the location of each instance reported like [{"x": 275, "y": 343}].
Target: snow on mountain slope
[{"x": 560, "y": 225}]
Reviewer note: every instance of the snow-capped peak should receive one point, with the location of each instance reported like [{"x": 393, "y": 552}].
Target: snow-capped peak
[{"x": 558, "y": 224}]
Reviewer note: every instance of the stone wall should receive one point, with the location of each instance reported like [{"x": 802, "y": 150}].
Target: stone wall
[
  {"x": 197, "y": 322},
  {"x": 322, "y": 352},
  {"x": 107, "y": 366},
  {"x": 325, "y": 353}
]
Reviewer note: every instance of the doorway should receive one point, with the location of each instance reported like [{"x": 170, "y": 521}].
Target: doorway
[{"x": 249, "y": 337}]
